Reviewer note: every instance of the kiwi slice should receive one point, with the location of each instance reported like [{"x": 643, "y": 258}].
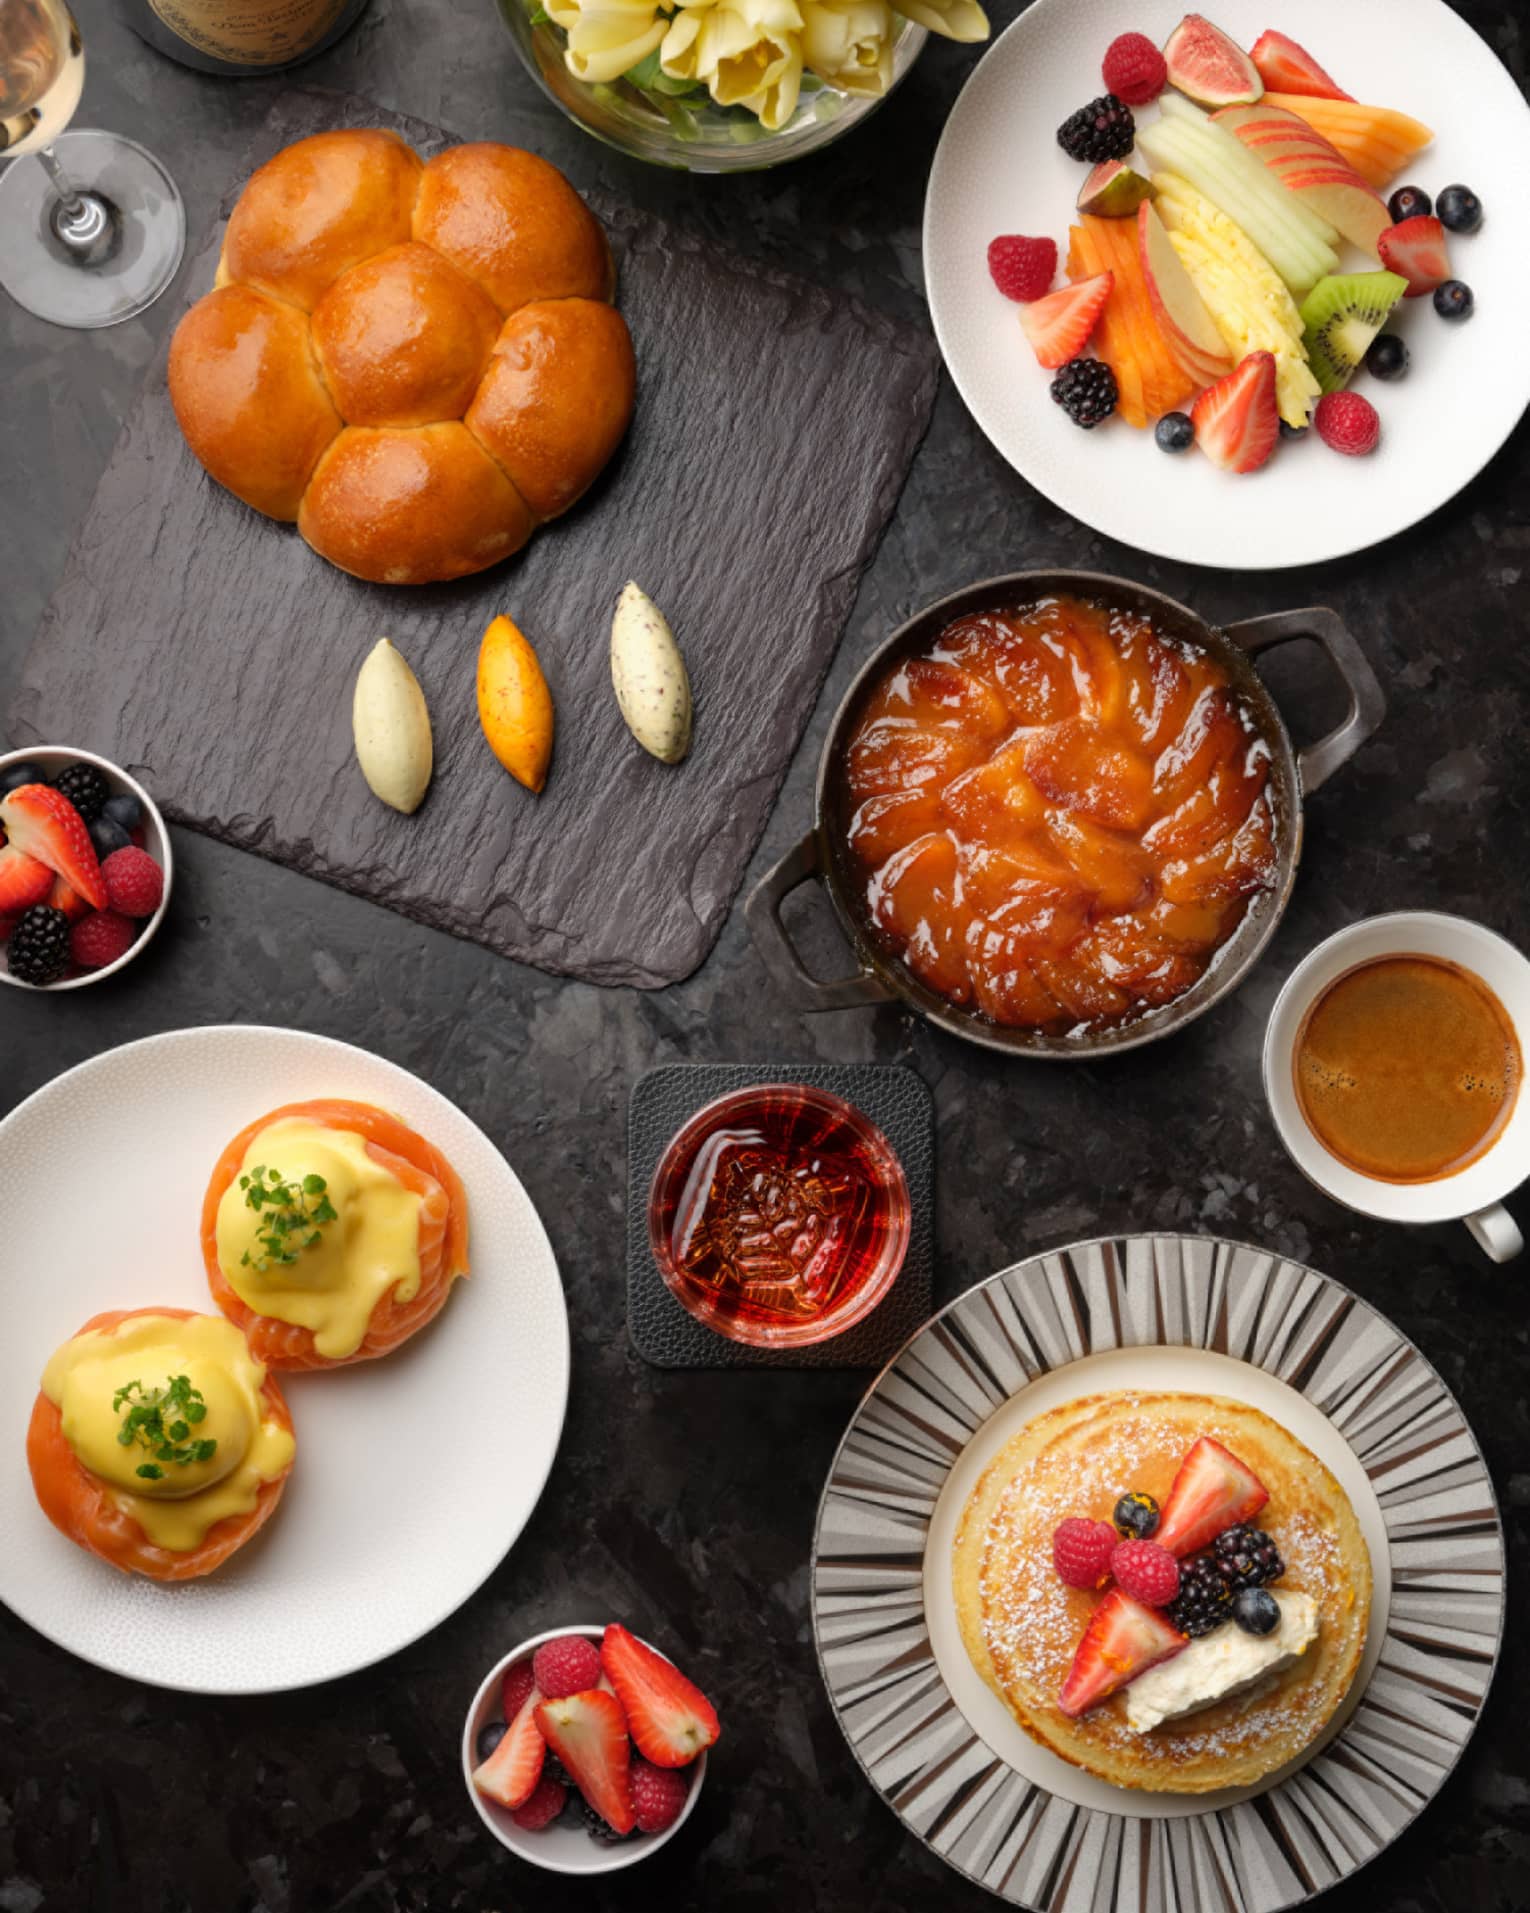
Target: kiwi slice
[{"x": 1340, "y": 316}]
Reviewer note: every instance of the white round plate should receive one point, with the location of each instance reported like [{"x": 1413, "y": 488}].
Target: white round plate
[
  {"x": 999, "y": 169},
  {"x": 414, "y": 1474},
  {"x": 1184, "y": 1313}
]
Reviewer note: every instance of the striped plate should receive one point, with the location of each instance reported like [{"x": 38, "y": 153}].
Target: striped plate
[{"x": 1175, "y": 1312}]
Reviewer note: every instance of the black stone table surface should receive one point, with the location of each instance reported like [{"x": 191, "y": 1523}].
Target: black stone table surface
[{"x": 684, "y": 1502}]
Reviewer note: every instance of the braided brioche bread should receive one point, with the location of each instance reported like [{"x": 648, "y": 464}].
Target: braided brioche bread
[{"x": 417, "y": 363}]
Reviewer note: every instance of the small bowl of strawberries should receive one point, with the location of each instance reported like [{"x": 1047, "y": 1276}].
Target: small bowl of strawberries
[
  {"x": 585, "y": 1749},
  {"x": 85, "y": 868}
]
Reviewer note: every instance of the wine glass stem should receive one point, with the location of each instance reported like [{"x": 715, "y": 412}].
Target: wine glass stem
[
  {"x": 70, "y": 202},
  {"x": 86, "y": 225}
]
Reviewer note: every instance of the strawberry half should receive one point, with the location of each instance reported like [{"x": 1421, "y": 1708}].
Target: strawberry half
[
  {"x": 669, "y": 1717},
  {"x": 588, "y": 1733},
  {"x": 1123, "y": 1639},
  {"x": 23, "y": 881},
  {"x": 1416, "y": 249},
  {"x": 1212, "y": 1491},
  {"x": 1236, "y": 420},
  {"x": 1286, "y": 67},
  {"x": 510, "y": 1774},
  {"x": 42, "y": 823},
  {"x": 1059, "y": 325}
]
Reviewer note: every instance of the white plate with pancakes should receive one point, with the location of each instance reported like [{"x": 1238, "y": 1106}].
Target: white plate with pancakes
[
  {"x": 414, "y": 1473},
  {"x": 1145, "y": 1315}
]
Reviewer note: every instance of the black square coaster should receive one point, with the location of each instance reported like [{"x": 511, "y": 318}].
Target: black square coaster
[{"x": 900, "y": 1105}]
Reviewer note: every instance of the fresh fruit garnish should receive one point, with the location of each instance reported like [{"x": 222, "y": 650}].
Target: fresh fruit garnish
[
  {"x": 1187, "y": 324},
  {"x": 1204, "y": 1600},
  {"x": 1123, "y": 1639},
  {"x": 1416, "y": 249},
  {"x": 107, "y": 835},
  {"x": 1454, "y": 300},
  {"x": 38, "y": 949},
  {"x": 1387, "y": 357},
  {"x": 1409, "y": 202},
  {"x": 1377, "y": 142},
  {"x": 1212, "y": 1491},
  {"x": 1059, "y": 325},
  {"x": 1174, "y": 432},
  {"x": 517, "y": 1684},
  {"x": 589, "y": 1735},
  {"x": 15, "y": 775},
  {"x": 1459, "y": 209},
  {"x": 1113, "y": 190},
  {"x": 1246, "y": 1557},
  {"x": 1134, "y": 70},
  {"x": 1288, "y": 430},
  {"x": 1150, "y": 378},
  {"x": 1136, "y": 1515},
  {"x": 1256, "y": 1611},
  {"x": 1081, "y": 1551},
  {"x": 510, "y": 1774},
  {"x": 1086, "y": 391},
  {"x": 1347, "y": 423},
  {"x": 1104, "y": 129},
  {"x": 490, "y": 1735},
  {"x": 100, "y": 937},
  {"x": 1023, "y": 269},
  {"x": 85, "y": 787},
  {"x": 1286, "y": 67},
  {"x": 1207, "y": 67},
  {"x": 671, "y": 1719},
  {"x": 1145, "y": 1571},
  {"x": 1303, "y": 161},
  {"x": 1236, "y": 426},
  {"x": 42, "y": 823},
  {"x": 659, "y": 1795},
  {"x": 1341, "y": 316},
  {"x": 568, "y": 1665},
  {"x": 124, "y": 810},
  {"x": 24, "y": 881},
  {"x": 134, "y": 882},
  {"x": 541, "y": 1807},
  {"x": 599, "y": 1828}
]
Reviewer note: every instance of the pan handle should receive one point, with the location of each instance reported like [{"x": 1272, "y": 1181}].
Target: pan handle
[
  {"x": 763, "y": 915},
  {"x": 1367, "y": 701}
]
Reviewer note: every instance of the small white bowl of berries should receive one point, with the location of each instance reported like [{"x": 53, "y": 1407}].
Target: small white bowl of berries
[
  {"x": 585, "y": 1749},
  {"x": 85, "y": 868}
]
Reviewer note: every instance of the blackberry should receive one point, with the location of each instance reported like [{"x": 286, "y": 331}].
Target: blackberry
[
  {"x": 1086, "y": 391},
  {"x": 1247, "y": 1558},
  {"x": 39, "y": 947},
  {"x": 85, "y": 788},
  {"x": 1136, "y": 1516},
  {"x": 1104, "y": 129},
  {"x": 599, "y": 1828},
  {"x": 554, "y": 1769},
  {"x": 1204, "y": 1600}
]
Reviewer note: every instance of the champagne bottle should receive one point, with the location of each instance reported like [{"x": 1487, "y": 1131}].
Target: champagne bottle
[{"x": 240, "y": 37}]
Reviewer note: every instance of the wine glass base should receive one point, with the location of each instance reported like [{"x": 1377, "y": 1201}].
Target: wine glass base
[{"x": 45, "y": 277}]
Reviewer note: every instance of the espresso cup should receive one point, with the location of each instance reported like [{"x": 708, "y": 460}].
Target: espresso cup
[{"x": 1472, "y": 1194}]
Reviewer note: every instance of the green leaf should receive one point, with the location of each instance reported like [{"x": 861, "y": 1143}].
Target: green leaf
[
  {"x": 645, "y": 72},
  {"x": 150, "y": 1472}
]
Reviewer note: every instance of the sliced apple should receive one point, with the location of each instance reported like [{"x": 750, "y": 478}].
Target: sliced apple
[
  {"x": 1188, "y": 328},
  {"x": 1312, "y": 168}
]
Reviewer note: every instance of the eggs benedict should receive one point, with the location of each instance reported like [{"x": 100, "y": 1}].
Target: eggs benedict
[
  {"x": 159, "y": 1442},
  {"x": 331, "y": 1233}
]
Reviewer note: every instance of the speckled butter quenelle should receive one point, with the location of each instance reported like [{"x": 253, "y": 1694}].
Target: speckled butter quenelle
[{"x": 649, "y": 677}]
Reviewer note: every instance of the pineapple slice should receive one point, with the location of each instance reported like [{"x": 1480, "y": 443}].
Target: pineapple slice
[{"x": 1243, "y": 293}]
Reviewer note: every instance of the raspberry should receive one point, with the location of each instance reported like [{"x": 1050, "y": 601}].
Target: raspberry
[
  {"x": 1022, "y": 268},
  {"x": 101, "y": 938},
  {"x": 1081, "y": 1552},
  {"x": 546, "y": 1803},
  {"x": 518, "y": 1683},
  {"x": 658, "y": 1794},
  {"x": 1348, "y": 423},
  {"x": 1145, "y": 1571},
  {"x": 568, "y": 1665},
  {"x": 134, "y": 882},
  {"x": 1134, "y": 70}
]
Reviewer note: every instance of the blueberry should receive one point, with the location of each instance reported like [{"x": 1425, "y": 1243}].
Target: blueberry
[
  {"x": 1460, "y": 209},
  {"x": 490, "y": 1736},
  {"x": 1175, "y": 432},
  {"x": 1387, "y": 357},
  {"x": 1409, "y": 202},
  {"x": 125, "y": 809},
  {"x": 1136, "y": 1515},
  {"x": 1453, "y": 300},
  {"x": 18, "y": 774},
  {"x": 1256, "y": 1610},
  {"x": 108, "y": 835},
  {"x": 1288, "y": 430}
]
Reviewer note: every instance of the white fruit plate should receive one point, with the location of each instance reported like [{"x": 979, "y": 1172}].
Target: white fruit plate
[{"x": 999, "y": 169}]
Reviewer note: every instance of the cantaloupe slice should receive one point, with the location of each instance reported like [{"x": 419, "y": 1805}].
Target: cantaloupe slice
[
  {"x": 1164, "y": 381},
  {"x": 1112, "y": 335},
  {"x": 1376, "y": 141}
]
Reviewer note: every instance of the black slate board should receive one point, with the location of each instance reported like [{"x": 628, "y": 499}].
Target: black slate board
[
  {"x": 213, "y": 653},
  {"x": 900, "y": 1105}
]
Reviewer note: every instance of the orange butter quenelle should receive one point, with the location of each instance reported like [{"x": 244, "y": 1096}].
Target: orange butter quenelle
[{"x": 331, "y": 1233}]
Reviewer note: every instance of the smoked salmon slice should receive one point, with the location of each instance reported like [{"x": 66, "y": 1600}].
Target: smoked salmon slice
[{"x": 443, "y": 1239}]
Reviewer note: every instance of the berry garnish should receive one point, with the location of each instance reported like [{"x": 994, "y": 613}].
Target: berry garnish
[
  {"x": 514, "y": 1766},
  {"x": 1174, "y": 432},
  {"x": 1204, "y": 1600},
  {"x": 546, "y": 1801},
  {"x": 1256, "y": 1610},
  {"x": 1212, "y": 1491},
  {"x": 1288, "y": 430},
  {"x": 107, "y": 835},
  {"x": 134, "y": 882},
  {"x": 42, "y": 822},
  {"x": 658, "y": 1795},
  {"x": 1387, "y": 357},
  {"x": 85, "y": 788},
  {"x": 1147, "y": 1572},
  {"x": 1104, "y": 129},
  {"x": 1081, "y": 1552},
  {"x": 23, "y": 881},
  {"x": 1086, "y": 391},
  {"x": 1236, "y": 420},
  {"x": 1123, "y": 1639},
  {"x": 1454, "y": 300},
  {"x": 1416, "y": 249},
  {"x": 100, "y": 938},
  {"x": 589, "y": 1735},
  {"x": 1348, "y": 423},
  {"x": 1246, "y": 1557},
  {"x": 15, "y": 775},
  {"x": 70, "y": 902},
  {"x": 1409, "y": 202},
  {"x": 1459, "y": 209},
  {"x": 1133, "y": 69},
  {"x": 1022, "y": 268},
  {"x": 517, "y": 1684},
  {"x": 1059, "y": 325},
  {"x": 599, "y": 1828},
  {"x": 124, "y": 809},
  {"x": 38, "y": 951},
  {"x": 669, "y": 1717},
  {"x": 1136, "y": 1513},
  {"x": 490, "y": 1735},
  {"x": 568, "y": 1665}
]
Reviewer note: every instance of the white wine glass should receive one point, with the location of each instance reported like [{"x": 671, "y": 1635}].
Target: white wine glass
[{"x": 91, "y": 226}]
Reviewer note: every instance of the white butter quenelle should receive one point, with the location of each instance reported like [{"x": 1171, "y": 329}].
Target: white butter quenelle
[{"x": 1222, "y": 1664}]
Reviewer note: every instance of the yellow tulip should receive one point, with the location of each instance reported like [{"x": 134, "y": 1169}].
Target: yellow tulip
[
  {"x": 607, "y": 37},
  {"x": 953, "y": 19},
  {"x": 848, "y": 43}
]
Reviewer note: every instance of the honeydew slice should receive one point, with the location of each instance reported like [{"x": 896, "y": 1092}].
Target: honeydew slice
[{"x": 1255, "y": 175}]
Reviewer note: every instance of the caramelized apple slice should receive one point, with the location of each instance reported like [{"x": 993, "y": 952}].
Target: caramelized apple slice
[
  {"x": 945, "y": 696},
  {"x": 915, "y": 896},
  {"x": 1212, "y": 733},
  {"x": 1035, "y": 681},
  {"x": 1088, "y": 998},
  {"x": 1159, "y": 690},
  {"x": 1124, "y": 950},
  {"x": 1005, "y": 985},
  {"x": 1082, "y": 770},
  {"x": 1243, "y": 863},
  {"x": 887, "y": 822},
  {"x": 1103, "y": 686},
  {"x": 995, "y": 799},
  {"x": 1112, "y": 867},
  {"x": 894, "y": 753}
]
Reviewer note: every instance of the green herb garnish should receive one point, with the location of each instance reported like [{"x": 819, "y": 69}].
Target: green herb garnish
[
  {"x": 291, "y": 1215},
  {"x": 161, "y": 1420}
]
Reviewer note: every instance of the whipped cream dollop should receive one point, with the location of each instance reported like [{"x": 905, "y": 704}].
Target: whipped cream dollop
[{"x": 1222, "y": 1664}]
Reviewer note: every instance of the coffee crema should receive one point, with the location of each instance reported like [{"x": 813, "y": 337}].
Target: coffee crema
[{"x": 1407, "y": 1068}]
